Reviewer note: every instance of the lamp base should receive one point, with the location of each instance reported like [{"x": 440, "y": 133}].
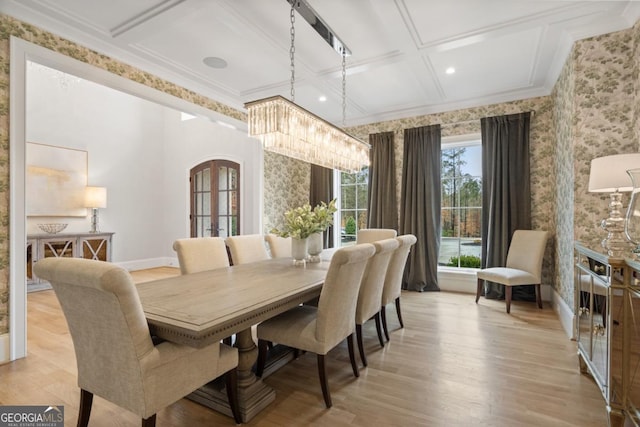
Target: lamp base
[
  {"x": 616, "y": 242},
  {"x": 94, "y": 221}
]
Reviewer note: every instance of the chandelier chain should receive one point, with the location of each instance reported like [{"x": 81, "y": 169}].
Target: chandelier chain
[
  {"x": 292, "y": 50},
  {"x": 344, "y": 89}
]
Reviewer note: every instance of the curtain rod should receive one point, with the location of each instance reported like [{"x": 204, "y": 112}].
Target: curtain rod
[{"x": 533, "y": 113}]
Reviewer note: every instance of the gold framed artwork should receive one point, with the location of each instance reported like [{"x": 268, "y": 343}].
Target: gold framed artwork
[{"x": 56, "y": 178}]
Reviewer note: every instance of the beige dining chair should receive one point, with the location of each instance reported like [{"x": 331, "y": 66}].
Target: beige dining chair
[
  {"x": 115, "y": 356},
  {"x": 247, "y": 248},
  {"x": 370, "y": 235},
  {"x": 319, "y": 329},
  {"x": 279, "y": 247},
  {"x": 393, "y": 280},
  {"x": 523, "y": 266},
  {"x": 201, "y": 253},
  {"x": 370, "y": 293}
]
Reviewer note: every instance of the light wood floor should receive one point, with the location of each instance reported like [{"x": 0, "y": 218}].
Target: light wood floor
[{"x": 454, "y": 364}]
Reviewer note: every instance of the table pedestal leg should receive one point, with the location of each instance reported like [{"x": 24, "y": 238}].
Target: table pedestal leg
[{"x": 253, "y": 394}]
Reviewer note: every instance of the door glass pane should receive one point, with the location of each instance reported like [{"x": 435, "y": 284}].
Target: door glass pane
[
  {"x": 198, "y": 203},
  {"x": 222, "y": 178},
  {"x": 223, "y": 227},
  {"x": 233, "y": 196},
  {"x": 234, "y": 179},
  {"x": 223, "y": 204},
  {"x": 197, "y": 181},
  {"x": 234, "y": 225},
  {"x": 206, "y": 180},
  {"x": 206, "y": 203}
]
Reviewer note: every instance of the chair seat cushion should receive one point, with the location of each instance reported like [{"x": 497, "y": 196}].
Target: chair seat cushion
[
  {"x": 508, "y": 276},
  {"x": 295, "y": 328}
]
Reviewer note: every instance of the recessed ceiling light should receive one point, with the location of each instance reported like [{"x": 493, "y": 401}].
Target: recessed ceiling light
[
  {"x": 322, "y": 98},
  {"x": 215, "y": 62},
  {"x": 450, "y": 70}
]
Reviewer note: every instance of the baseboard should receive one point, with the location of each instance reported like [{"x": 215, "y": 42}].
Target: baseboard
[
  {"x": 4, "y": 349},
  {"x": 453, "y": 280},
  {"x": 143, "y": 264},
  {"x": 565, "y": 314}
]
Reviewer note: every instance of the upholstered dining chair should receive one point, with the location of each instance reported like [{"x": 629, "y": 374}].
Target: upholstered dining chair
[
  {"x": 370, "y": 235},
  {"x": 370, "y": 293},
  {"x": 319, "y": 329},
  {"x": 115, "y": 356},
  {"x": 523, "y": 266},
  {"x": 247, "y": 248},
  {"x": 280, "y": 247},
  {"x": 393, "y": 280},
  {"x": 201, "y": 253}
]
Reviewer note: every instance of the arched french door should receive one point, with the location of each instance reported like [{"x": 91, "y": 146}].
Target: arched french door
[{"x": 215, "y": 199}]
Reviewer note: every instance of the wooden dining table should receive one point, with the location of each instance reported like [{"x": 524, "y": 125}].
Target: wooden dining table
[{"x": 202, "y": 308}]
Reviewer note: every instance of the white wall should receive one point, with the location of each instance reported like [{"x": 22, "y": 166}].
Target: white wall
[{"x": 142, "y": 153}]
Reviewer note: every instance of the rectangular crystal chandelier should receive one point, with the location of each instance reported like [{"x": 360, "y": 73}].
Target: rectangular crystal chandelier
[{"x": 288, "y": 129}]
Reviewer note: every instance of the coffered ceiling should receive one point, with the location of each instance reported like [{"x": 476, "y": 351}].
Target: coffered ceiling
[{"x": 501, "y": 50}]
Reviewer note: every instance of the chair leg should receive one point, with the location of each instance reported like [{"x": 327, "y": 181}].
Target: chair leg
[
  {"x": 383, "y": 315},
  {"x": 508, "y": 292},
  {"x": 361, "y": 344},
  {"x": 86, "y": 400},
  {"x": 479, "y": 289},
  {"x": 323, "y": 381},
  {"x": 231, "y": 379},
  {"x": 538, "y": 296},
  {"x": 149, "y": 422},
  {"x": 379, "y": 328},
  {"x": 262, "y": 357},
  {"x": 399, "y": 312},
  {"x": 352, "y": 356}
]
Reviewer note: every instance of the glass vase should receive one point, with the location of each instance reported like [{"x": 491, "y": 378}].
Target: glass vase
[
  {"x": 314, "y": 247},
  {"x": 299, "y": 251},
  {"x": 632, "y": 221}
]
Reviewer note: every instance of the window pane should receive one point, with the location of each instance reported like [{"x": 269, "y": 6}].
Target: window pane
[
  {"x": 348, "y": 200},
  {"x": 461, "y": 209},
  {"x": 347, "y": 178},
  {"x": 362, "y": 197}
]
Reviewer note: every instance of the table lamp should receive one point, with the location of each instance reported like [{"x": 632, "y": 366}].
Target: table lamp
[
  {"x": 609, "y": 175},
  {"x": 95, "y": 198}
]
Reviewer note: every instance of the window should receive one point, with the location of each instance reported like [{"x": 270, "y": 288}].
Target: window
[
  {"x": 353, "y": 204},
  {"x": 461, "y": 210}
]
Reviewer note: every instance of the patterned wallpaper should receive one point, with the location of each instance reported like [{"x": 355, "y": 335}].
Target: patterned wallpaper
[
  {"x": 592, "y": 112},
  {"x": 563, "y": 96},
  {"x": 286, "y": 185}
]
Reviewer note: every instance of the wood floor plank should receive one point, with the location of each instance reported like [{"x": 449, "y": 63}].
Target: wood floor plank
[{"x": 456, "y": 363}]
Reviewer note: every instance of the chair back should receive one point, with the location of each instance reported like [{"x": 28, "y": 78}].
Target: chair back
[
  {"x": 107, "y": 325},
  {"x": 526, "y": 251},
  {"x": 395, "y": 272},
  {"x": 280, "y": 247},
  {"x": 370, "y": 235},
  {"x": 370, "y": 293},
  {"x": 246, "y": 249},
  {"x": 201, "y": 253},
  {"x": 339, "y": 295}
]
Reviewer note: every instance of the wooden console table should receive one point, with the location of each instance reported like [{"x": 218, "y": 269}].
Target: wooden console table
[{"x": 73, "y": 245}]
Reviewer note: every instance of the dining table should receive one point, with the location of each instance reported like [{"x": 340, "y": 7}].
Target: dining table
[{"x": 202, "y": 308}]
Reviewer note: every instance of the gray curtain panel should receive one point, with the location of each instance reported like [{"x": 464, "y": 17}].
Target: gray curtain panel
[
  {"x": 321, "y": 190},
  {"x": 420, "y": 206},
  {"x": 383, "y": 202},
  {"x": 506, "y": 193}
]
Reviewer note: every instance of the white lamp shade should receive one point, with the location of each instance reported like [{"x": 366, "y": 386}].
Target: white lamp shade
[
  {"x": 609, "y": 173},
  {"x": 95, "y": 197}
]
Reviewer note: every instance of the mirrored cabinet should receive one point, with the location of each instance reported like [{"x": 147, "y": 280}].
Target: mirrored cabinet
[
  {"x": 607, "y": 306},
  {"x": 96, "y": 246}
]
